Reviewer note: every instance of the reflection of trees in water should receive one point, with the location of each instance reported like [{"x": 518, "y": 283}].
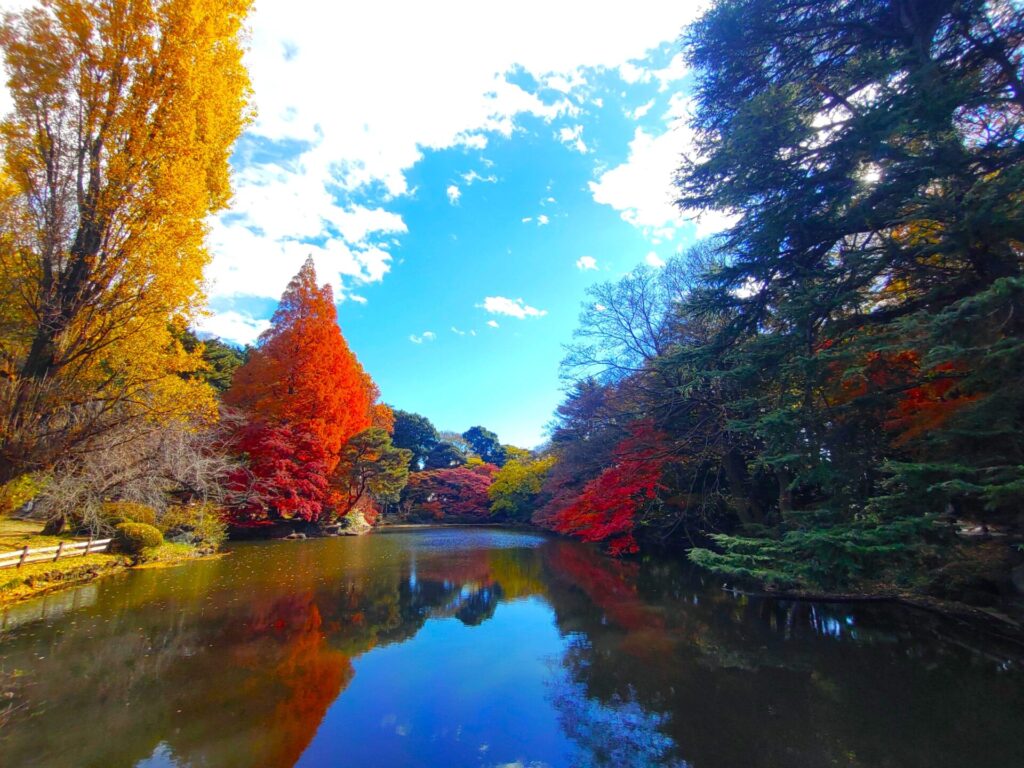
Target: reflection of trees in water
[
  {"x": 612, "y": 730},
  {"x": 730, "y": 680},
  {"x": 234, "y": 677},
  {"x": 661, "y": 667}
]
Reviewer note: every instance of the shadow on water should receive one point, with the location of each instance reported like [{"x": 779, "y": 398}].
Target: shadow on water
[{"x": 488, "y": 647}]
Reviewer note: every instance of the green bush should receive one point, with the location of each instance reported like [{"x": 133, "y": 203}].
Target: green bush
[
  {"x": 15, "y": 493},
  {"x": 201, "y": 525},
  {"x": 132, "y": 538},
  {"x": 114, "y": 512}
]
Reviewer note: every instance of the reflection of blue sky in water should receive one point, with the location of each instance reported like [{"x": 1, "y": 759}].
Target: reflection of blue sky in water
[{"x": 481, "y": 712}]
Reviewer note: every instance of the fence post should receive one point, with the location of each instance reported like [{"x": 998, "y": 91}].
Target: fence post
[
  {"x": 87, "y": 546},
  {"x": 60, "y": 548},
  {"x": 24, "y": 554}
]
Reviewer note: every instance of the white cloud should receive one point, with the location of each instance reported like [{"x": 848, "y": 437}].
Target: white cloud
[
  {"x": 526, "y": 219},
  {"x": 586, "y": 262},
  {"x": 499, "y": 305},
  {"x": 542, "y": 220},
  {"x": 457, "y": 332},
  {"x": 674, "y": 71},
  {"x": 641, "y": 188},
  {"x": 473, "y": 176},
  {"x": 572, "y": 137},
  {"x": 654, "y": 260},
  {"x": 357, "y": 299},
  {"x": 373, "y": 128},
  {"x": 427, "y": 336},
  {"x": 454, "y": 193},
  {"x": 492, "y": 323},
  {"x": 640, "y": 111},
  {"x": 600, "y": 307},
  {"x": 233, "y": 326}
]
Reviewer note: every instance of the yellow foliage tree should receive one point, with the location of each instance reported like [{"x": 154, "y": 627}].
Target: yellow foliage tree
[{"x": 114, "y": 155}]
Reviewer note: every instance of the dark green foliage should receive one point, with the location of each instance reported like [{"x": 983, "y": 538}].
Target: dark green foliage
[
  {"x": 841, "y": 376},
  {"x": 371, "y": 466},
  {"x": 444, "y": 456},
  {"x": 132, "y": 538},
  {"x": 486, "y": 445},
  {"x": 873, "y": 150},
  {"x": 222, "y": 359},
  {"x": 416, "y": 434}
]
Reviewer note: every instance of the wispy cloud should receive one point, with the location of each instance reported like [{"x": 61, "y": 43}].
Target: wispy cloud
[
  {"x": 472, "y": 176},
  {"x": 572, "y": 137},
  {"x": 492, "y": 323},
  {"x": 517, "y": 308},
  {"x": 654, "y": 260},
  {"x": 426, "y": 336},
  {"x": 586, "y": 262}
]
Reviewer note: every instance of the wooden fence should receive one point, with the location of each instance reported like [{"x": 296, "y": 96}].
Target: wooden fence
[{"x": 20, "y": 557}]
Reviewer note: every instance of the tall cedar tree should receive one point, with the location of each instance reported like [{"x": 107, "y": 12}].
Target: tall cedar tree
[
  {"x": 302, "y": 372},
  {"x": 873, "y": 151},
  {"x": 301, "y": 384}
]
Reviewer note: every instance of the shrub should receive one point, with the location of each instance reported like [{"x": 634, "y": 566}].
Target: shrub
[
  {"x": 15, "y": 493},
  {"x": 115, "y": 512},
  {"x": 201, "y": 525},
  {"x": 132, "y": 538}
]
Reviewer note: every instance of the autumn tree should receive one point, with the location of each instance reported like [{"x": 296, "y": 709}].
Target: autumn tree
[
  {"x": 302, "y": 372},
  {"x": 371, "y": 468},
  {"x": 516, "y": 489},
  {"x": 284, "y": 477},
  {"x": 301, "y": 388},
  {"x": 115, "y": 154},
  {"x": 456, "y": 493}
]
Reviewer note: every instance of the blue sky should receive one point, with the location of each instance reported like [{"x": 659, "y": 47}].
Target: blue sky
[{"x": 460, "y": 177}]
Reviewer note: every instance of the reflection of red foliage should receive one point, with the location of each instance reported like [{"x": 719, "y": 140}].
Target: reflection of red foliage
[
  {"x": 460, "y": 492},
  {"x": 306, "y": 674},
  {"x": 606, "y": 510},
  {"x": 612, "y": 586},
  {"x": 286, "y": 477}
]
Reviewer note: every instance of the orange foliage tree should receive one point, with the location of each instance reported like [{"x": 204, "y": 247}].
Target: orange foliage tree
[{"x": 302, "y": 375}]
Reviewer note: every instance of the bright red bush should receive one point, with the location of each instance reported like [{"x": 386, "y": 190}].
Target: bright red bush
[
  {"x": 286, "y": 477},
  {"x": 607, "y": 508}
]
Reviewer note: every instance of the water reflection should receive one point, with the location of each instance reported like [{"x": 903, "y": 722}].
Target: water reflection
[{"x": 460, "y": 647}]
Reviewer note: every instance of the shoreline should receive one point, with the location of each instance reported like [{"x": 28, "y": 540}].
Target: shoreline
[{"x": 52, "y": 580}]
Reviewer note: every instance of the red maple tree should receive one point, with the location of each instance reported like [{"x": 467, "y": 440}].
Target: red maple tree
[
  {"x": 607, "y": 508},
  {"x": 286, "y": 475},
  {"x": 304, "y": 395}
]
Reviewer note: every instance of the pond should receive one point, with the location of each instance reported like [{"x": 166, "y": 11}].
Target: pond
[{"x": 482, "y": 647}]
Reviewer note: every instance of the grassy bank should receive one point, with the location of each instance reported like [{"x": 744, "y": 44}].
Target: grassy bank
[{"x": 36, "y": 579}]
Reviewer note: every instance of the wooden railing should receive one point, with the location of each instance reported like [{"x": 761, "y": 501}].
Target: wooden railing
[{"x": 26, "y": 555}]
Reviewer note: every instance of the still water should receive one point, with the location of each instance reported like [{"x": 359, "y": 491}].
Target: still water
[{"x": 478, "y": 647}]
